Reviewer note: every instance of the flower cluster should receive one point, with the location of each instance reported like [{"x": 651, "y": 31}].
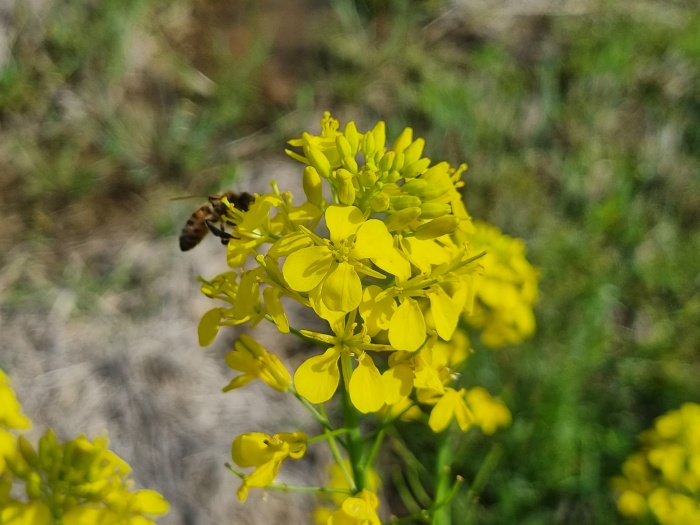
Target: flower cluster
[
  {"x": 78, "y": 482},
  {"x": 508, "y": 291},
  {"x": 384, "y": 251},
  {"x": 663, "y": 478},
  {"x": 386, "y": 263}
]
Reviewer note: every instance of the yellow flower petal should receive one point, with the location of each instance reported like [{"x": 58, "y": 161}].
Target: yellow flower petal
[
  {"x": 305, "y": 269},
  {"x": 343, "y": 221},
  {"x": 398, "y": 383},
  {"x": 209, "y": 326},
  {"x": 149, "y": 502},
  {"x": 445, "y": 312},
  {"x": 274, "y": 307},
  {"x": 376, "y": 314},
  {"x": 407, "y": 326},
  {"x": 255, "y": 448},
  {"x": 317, "y": 378},
  {"x": 373, "y": 240},
  {"x": 342, "y": 289},
  {"x": 366, "y": 386},
  {"x": 442, "y": 412}
]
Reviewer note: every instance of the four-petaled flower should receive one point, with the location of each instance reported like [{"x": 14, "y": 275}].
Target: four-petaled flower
[{"x": 330, "y": 269}]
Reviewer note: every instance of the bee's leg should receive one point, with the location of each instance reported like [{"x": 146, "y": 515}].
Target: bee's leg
[{"x": 219, "y": 232}]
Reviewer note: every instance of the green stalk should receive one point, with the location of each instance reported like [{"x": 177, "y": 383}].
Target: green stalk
[
  {"x": 352, "y": 424},
  {"x": 443, "y": 471}
]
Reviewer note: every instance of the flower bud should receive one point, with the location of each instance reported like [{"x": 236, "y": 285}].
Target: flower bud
[
  {"x": 415, "y": 187},
  {"x": 392, "y": 176},
  {"x": 346, "y": 189},
  {"x": 350, "y": 164},
  {"x": 403, "y": 140},
  {"x": 367, "y": 177},
  {"x": 414, "y": 151},
  {"x": 344, "y": 147},
  {"x": 416, "y": 168},
  {"x": 33, "y": 486},
  {"x": 313, "y": 188},
  {"x": 387, "y": 161},
  {"x": 405, "y": 201},
  {"x": 401, "y": 219},
  {"x": 432, "y": 210},
  {"x": 48, "y": 449},
  {"x": 28, "y": 452},
  {"x": 379, "y": 134},
  {"x": 353, "y": 136},
  {"x": 399, "y": 161},
  {"x": 379, "y": 202},
  {"x": 437, "y": 227},
  {"x": 368, "y": 145},
  {"x": 317, "y": 159}
]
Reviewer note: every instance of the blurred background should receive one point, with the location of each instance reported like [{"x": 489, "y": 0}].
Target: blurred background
[{"x": 580, "y": 122}]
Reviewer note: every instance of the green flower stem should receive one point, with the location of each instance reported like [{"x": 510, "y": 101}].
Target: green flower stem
[
  {"x": 443, "y": 462},
  {"x": 298, "y": 488},
  {"x": 451, "y": 493},
  {"x": 335, "y": 451},
  {"x": 404, "y": 493},
  {"x": 352, "y": 423},
  {"x": 375, "y": 448},
  {"x": 406, "y": 455},
  {"x": 237, "y": 472},
  {"x": 327, "y": 435},
  {"x": 284, "y": 487},
  {"x": 422, "y": 516},
  {"x": 321, "y": 418}
]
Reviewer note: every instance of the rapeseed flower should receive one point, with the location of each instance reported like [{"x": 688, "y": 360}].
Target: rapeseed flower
[
  {"x": 251, "y": 358},
  {"x": 360, "y": 509},
  {"x": 266, "y": 454},
  {"x": 663, "y": 478},
  {"x": 334, "y": 266},
  {"x": 507, "y": 292}
]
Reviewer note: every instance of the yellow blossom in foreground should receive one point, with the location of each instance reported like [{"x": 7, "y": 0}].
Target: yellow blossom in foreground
[
  {"x": 10, "y": 410},
  {"x": 266, "y": 454},
  {"x": 78, "y": 482}
]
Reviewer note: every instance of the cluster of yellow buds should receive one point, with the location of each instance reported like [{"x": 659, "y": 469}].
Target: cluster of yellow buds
[
  {"x": 72, "y": 483},
  {"x": 380, "y": 250},
  {"x": 663, "y": 478}
]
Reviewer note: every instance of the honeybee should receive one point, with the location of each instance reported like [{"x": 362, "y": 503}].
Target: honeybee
[{"x": 204, "y": 219}]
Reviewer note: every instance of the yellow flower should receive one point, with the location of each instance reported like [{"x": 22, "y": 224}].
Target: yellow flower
[
  {"x": 20, "y": 513},
  {"x": 324, "y": 144},
  {"x": 317, "y": 378},
  {"x": 333, "y": 266},
  {"x": 663, "y": 478},
  {"x": 251, "y": 358},
  {"x": 10, "y": 410},
  {"x": 360, "y": 509},
  {"x": 508, "y": 290},
  {"x": 79, "y": 482},
  {"x": 266, "y": 454},
  {"x": 489, "y": 413},
  {"x": 450, "y": 406}
]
